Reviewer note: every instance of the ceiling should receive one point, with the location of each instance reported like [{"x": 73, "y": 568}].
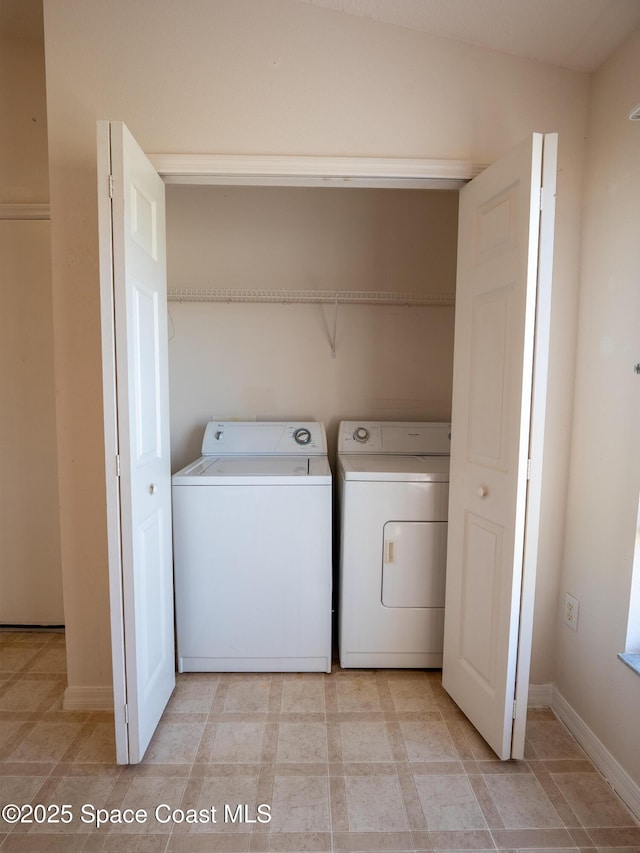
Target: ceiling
[{"x": 576, "y": 34}]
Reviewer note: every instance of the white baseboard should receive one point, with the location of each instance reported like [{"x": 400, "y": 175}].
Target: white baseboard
[
  {"x": 24, "y": 211},
  {"x": 611, "y": 769},
  {"x": 88, "y": 699}
]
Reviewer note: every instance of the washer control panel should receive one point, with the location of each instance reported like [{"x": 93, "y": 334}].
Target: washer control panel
[
  {"x": 264, "y": 438},
  {"x": 397, "y": 437}
]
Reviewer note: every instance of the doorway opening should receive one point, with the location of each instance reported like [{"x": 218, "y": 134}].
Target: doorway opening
[{"x": 514, "y": 229}]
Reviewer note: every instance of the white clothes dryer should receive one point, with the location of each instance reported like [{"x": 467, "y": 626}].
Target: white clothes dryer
[
  {"x": 394, "y": 494},
  {"x": 252, "y": 550}
]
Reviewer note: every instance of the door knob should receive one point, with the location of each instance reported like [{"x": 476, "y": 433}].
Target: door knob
[{"x": 483, "y": 491}]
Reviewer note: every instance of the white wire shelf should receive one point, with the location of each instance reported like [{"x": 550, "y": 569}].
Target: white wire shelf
[{"x": 354, "y": 297}]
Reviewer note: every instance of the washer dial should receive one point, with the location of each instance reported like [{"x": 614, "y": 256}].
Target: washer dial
[
  {"x": 302, "y": 436},
  {"x": 361, "y": 434}
]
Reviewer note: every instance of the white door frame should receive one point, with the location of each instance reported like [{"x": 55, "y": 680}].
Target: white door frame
[
  {"x": 110, "y": 421},
  {"x": 536, "y": 435},
  {"x": 248, "y": 170},
  {"x": 252, "y": 170}
]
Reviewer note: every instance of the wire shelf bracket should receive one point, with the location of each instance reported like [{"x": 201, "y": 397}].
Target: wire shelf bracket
[{"x": 293, "y": 297}]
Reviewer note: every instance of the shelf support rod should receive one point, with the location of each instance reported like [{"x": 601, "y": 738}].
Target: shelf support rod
[{"x": 335, "y": 326}]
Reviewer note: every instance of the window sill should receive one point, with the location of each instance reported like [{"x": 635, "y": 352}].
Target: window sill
[{"x": 631, "y": 660}]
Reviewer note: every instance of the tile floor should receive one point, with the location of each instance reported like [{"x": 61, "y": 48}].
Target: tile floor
[{"x": 352, "y": 761}]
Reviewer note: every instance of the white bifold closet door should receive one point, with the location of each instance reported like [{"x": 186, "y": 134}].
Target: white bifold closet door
[
  {"x": 505, "y": 242},
  {"x": 133, "y": 288}
]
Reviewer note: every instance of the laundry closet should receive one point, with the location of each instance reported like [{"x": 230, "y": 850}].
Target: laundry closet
[
  {"x": 355, "y": 316},
  {"x": 280, "y": 308}
]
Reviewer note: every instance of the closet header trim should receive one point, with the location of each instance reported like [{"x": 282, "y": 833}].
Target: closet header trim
[{"x": 253, "y": 170}]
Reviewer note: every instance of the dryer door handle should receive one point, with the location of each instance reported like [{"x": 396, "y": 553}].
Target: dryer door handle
[{"x": 389, "y": 551}]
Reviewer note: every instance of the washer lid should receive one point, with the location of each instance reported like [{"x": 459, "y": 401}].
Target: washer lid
[
  {"x": 261, "y": 466},
  {"x": 389, "y": 468},
  {"x": 254, "y": 470}
]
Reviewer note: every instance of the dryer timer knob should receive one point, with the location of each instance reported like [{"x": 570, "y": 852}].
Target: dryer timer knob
[{"x": 361, "y": 434}]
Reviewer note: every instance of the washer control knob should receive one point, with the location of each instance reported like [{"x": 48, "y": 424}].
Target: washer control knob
[
  {"x": 361, "y": 434},
  {"x": 483, "y": 491},
  {"x": 302, "y": 436},
  {"x": 153, "y": 489}
]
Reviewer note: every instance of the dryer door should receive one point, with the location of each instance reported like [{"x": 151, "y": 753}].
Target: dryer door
[{"x": 413, "y": 563}]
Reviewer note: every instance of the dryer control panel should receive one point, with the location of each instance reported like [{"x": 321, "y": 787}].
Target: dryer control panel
[{"x": 421, "y": 438}]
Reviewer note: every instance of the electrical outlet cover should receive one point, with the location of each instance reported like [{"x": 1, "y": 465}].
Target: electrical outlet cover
[{"x": 571, "y": 608}]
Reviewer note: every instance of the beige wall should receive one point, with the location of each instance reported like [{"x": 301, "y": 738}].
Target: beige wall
[
  {"x": 605, "y": 460},
  {"x": 239, "y": 76},
  {"x": 30, "y": 570},
  {"x": 275, "y": 360},
  {"x": 24, "y": 175}
]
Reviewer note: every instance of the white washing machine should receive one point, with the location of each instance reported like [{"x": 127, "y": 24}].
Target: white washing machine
[
  {"x": 252, "y": 550},
  {"x": 394, "y": 494}
]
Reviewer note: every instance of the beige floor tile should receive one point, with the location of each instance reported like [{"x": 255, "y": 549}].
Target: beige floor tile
[
  {"x": 76, "y": 792},
  {"x": 357, "y": 693},
  {"x": 300, "y": 805},
  {"x": 174, "y": 743},
  {"x": 428, "y": 741},
  {"x": 411, "y": 694},
  {"x": 301, "y": 742},
  {"x": 624, "y": 838},
  {"x": 237, "y": 742},
  {"x": 376, "y": 842},
  {"x": 31, "y": 694},
  {"x": 593, "y": 802},
  {"x": 296, "y": 842},
  {"x": 18, "y": 790},
  {"x": 550, "y": 739},
  {"x": 528, "y": 839},
  {"x": 135, "y": 844},
  {"x": 375, "y": 804},
  {"x": 15, "y": 658},
  {"x": 46, "y": 742},
  {"x": 12, "y": 637},
  {"x": 248, "y": 696},
  {"x": 218, "y": 843},
  {"x": 302, "y": 696},
  {"x": 52, "y": 660},
  {"x": 224, "y": 795},
  {"x": 365, "y": 742},
  {"x": 461, "y": 839},
  {"x": 10, "y": 733},
  {"x": 192, "y": 697},
  {"x": 45, "y": 843},
  {"x": 448, "y": 802},
  {"x": 521, "y": 802},
  {"x": 468, "y": 742},
  {"x": 99, "y": 746},
  {"x": 365, "y": 761},
  {"x": 148, "y": 794}
]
